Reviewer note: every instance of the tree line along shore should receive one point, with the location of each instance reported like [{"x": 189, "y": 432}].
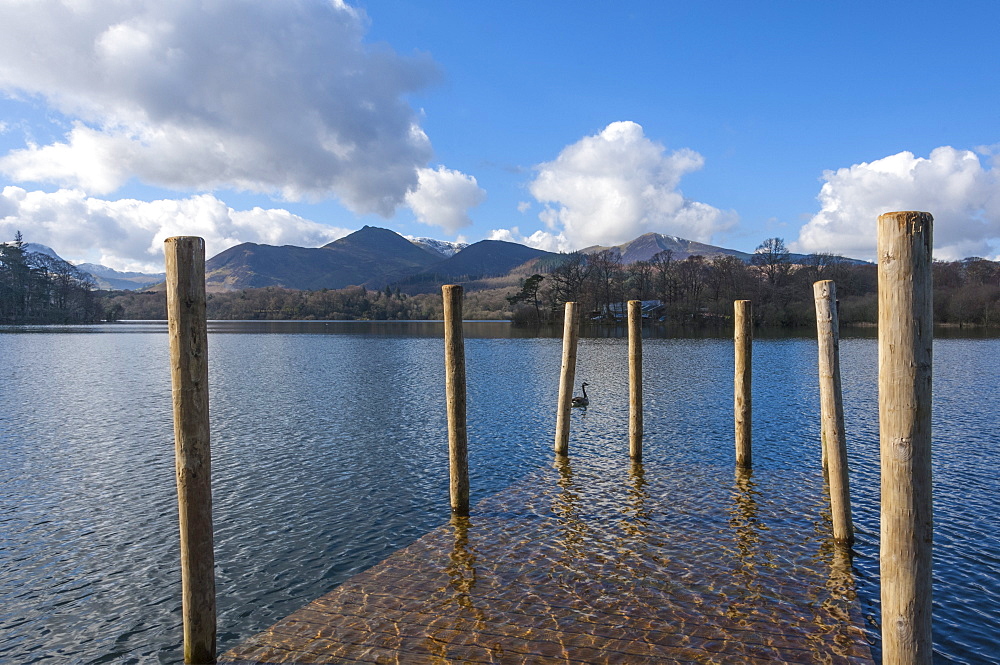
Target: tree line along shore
[{"x": 694, "y": 291}]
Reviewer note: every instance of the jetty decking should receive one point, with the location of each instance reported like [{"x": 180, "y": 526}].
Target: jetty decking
[{"x": 598, "y": 562}]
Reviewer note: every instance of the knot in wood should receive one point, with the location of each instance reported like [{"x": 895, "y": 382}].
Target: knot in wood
[
  {"x": 902, "y": 448},
  {"x": 904, "y": 630}
]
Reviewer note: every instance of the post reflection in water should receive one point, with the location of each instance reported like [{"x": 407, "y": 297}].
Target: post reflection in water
[
  {"x": 637, "y": 523},
  {"x": 638, "y": 512},
  {"x": 840, "y": 584},
  {"x": 747, "y": 526},
  {"x": 566, "y": 507},
  {"x": 838, "y": 595},
  {"x": 461, "y": 567},
  {"x": 837, "y": 558}
]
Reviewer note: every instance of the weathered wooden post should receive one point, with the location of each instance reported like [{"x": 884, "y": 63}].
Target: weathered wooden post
[
  {"x": 834, "y": 442},
  {"x": 743, "y": 338},
  {"x": 571, "y": 328},
  {"x": 635, "y": 380},
  {"x": 188, "y": 330},
  {"x": 905, "y": 339},
  {"x": 454, "y": 363}
]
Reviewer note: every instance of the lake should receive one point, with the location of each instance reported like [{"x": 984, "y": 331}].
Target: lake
[{"x": 330, "y": 452}]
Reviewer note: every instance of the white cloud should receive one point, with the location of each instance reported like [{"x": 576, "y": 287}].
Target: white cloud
[
  {"x": 275, "y": 97},
  {"x": 443, "y": 198},
  {"x": 523, "y": 206},
  {"x": 550, "y": 242},
  {"x": 508, "y": 235},
  {"x": 128, "y": 234},
  {"x": 951, "y": 184},
  {"x": 616, "y": 185}
]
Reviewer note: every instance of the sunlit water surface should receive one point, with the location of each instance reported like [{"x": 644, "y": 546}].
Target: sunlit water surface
[{"x": 329, "y": 451}]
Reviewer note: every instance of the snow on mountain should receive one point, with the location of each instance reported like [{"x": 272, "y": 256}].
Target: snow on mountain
[
  {"x": 102, "y": 276},
  {"x": 41, "y": 249},
  {"x": 445, "y": 248},
  {"x": 43, "y": 257}
]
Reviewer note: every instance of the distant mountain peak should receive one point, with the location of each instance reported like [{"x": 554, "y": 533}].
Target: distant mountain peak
[
  {"x": 371, "y": 236},
  {"x": 369, "y": 256},
  {"x": 650, "y": 244}
]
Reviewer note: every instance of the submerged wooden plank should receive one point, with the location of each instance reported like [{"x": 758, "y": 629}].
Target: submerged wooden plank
[{"x": 583, "y": 563}]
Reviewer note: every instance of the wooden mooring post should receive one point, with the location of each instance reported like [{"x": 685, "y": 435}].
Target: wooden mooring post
[
  {"x": 832, "y": 436},
  {"x": 454, "y": 362},
  {"x": 743, "y": 403},
  {"x": 905, "y": 339},
  {"x": 635, "y": 380},
  {"x": 188, "y": 332},
  {"x": 571, "y": 331}
]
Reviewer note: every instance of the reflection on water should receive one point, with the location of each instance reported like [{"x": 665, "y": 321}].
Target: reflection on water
[
  {"x": 637, "y": 516},
  {"x": 572, "y": 538},
  {"x": 329, "y": 453},
  {"x": 747, "y": 528},
  {"x": 461, "y": 568}
]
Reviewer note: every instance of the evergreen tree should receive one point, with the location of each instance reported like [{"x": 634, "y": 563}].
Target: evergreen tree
[{"x": 36, "y": 288}]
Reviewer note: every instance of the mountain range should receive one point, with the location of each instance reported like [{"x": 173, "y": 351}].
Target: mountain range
[
  {"x": 376, "y": 258},
  {"x": 371, "y": 256},
  {"x": 116, "y": 280},
  {"x": 102, "y": 276}
]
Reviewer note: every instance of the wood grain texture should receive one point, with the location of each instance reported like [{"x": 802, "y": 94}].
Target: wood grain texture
[
  {"x": 905, "y": 339},
  {"x": 833, "y": 437},
  {"x": 454, "y": 361},
  {"x": 743, "y": 397},
  {"x": 567, "y": 377},
  {"x": 635, "y": 380},
  {"x": 188, "y": 333}
]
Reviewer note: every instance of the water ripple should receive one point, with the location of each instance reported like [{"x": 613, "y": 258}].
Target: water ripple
[{"x": 329, "y": 453}]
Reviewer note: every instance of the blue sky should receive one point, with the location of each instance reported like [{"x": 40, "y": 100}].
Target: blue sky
[{"x": 556, "y": 124}]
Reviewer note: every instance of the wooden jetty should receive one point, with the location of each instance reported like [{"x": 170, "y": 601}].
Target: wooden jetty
[{"x": 593, "y": 561}]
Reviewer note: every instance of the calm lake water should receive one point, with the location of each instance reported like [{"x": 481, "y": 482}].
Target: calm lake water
[{"x": 330, "y": 452}]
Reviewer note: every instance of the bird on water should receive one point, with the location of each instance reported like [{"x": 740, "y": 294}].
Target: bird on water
[{"x": 582, "y": 401}]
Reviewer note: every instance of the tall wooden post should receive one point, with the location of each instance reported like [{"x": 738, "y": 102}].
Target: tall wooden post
[
  {"x": 188, "y": 330},
  {"x": 571, "y": 331},
  {"x": 743, "y": 338},
  {"x": 635, "y": 380},
  {"x": 454, "y": 362},
  {"x": 905, "y": 339},
  {"x": 834, "y": 442}
]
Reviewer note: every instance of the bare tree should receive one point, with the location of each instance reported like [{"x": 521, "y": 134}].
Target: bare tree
[
  {"x": 607, "y": 274},
  {"x": 639, "y": 280},
  {"x": 771, "y": 257},
  {"x": 728, "y": 279},
  {"x": 691, "y": 283},
  {"x": 567, "y": 281},
  {"x": 663, "y": 267}
]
